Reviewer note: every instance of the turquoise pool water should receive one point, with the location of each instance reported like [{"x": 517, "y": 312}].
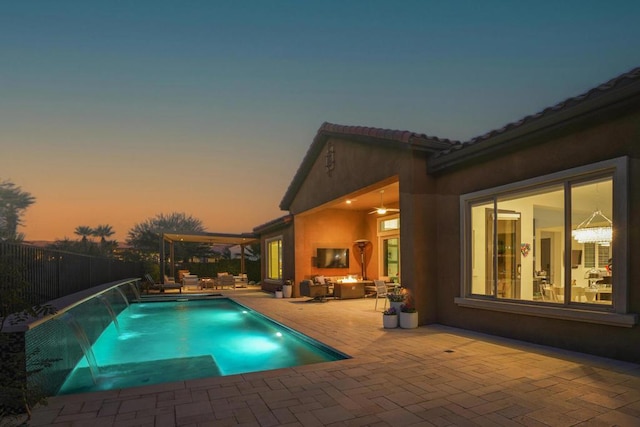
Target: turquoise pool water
[{"x": 159, "y": 342}]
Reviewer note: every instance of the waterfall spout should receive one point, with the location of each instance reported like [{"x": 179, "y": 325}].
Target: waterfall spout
[
  {"x": 83, "y": 341},
  {"x": 109, "y": 308},
  {"x": 124, "y": 297},
  {"x": 136, "y": 291}
]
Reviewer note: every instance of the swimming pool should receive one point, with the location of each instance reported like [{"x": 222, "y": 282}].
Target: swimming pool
[{"x": 156, "y": 342}]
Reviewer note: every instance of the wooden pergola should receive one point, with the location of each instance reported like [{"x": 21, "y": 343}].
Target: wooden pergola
[{"x": 241, "y": 240}]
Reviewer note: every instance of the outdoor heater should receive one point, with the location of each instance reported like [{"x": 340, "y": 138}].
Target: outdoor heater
[{"x": 362, "y": 244}]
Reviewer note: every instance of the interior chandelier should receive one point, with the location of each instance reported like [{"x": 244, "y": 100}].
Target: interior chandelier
[{"x": 585, "y": 233}]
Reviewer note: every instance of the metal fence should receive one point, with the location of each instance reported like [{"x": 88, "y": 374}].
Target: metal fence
[{"x": 45, "y": 274}]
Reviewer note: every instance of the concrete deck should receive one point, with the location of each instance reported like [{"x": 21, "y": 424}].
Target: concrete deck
[{"x": 430, "y": 376}]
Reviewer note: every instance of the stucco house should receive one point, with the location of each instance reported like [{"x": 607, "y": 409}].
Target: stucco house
[{"x": 512, "y": 233}]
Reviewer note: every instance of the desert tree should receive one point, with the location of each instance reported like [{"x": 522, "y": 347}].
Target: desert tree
[
  {"x": 145, "y": 236},
  {"x": 13, "y": 203}
]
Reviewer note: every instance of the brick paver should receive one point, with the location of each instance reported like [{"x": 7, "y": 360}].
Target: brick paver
[{"x": 430, "y": 376}]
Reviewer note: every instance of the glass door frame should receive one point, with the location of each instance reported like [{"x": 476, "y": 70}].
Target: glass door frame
[{"x": 386, "y": 234}]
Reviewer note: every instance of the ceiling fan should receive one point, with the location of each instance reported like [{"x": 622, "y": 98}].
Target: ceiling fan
[{"x": 381, "y": 210}]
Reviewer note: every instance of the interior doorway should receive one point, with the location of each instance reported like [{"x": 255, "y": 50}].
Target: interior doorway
[
  {"x": 545, "y": 255},
  {"x": 391, "y": 257},
  {"x": 389, "y": 244},
  {"x": 507, "y": 271}
]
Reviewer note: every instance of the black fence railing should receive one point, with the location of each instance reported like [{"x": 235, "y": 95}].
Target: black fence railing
[{"x": 45, "y": 274}]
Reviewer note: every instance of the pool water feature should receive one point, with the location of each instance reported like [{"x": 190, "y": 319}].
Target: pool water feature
[{"x": 158, "y": 342}]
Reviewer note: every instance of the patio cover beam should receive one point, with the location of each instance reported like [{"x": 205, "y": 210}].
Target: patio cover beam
[{"x": 242, "y": 240}]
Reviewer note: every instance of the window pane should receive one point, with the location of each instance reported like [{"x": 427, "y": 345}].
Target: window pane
[
  {"x": 589, "y": 255},
  {"x": 482, "y": 249},
  {"x": 548, "y": 240},
  {"x": 530, "y": 236},
  {"x": 592, "y": 233},
  {"x": 274, "y": 259},
  {"x": 391, "y": 260},
  {"x": 390, "y": 224}
]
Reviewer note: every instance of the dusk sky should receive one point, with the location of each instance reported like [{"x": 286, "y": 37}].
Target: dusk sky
[{"x": 114, "y": 111}]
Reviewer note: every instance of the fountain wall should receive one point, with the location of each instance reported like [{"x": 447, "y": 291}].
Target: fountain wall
[{"x": 55, "y": 339}]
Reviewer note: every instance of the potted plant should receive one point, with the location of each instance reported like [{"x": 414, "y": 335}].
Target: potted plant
[
  {"x": 396, "y": 298},
  {"x": 287, "y": 289},
  {"x": 390, "y": 318},
  {"x": 278, "y": 293},
  {"x": 408, "y": 316}
]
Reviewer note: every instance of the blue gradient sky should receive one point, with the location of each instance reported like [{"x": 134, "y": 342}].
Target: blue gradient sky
[{"x": 114, "y": 111}]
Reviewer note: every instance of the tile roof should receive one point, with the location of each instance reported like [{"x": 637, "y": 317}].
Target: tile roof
[
  {"x": 620, "y": 87},
  {"x": 405, "y": 136},
  {"x": 273, "y": 224},
  {"x": 401, "y": 138},
  {"x": 446, "y": 152}
]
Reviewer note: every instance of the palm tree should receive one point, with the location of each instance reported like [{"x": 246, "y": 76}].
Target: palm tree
[
  {"x": 13, "y": 202},
  {"x": 103, "y": 231},
  {"x": 84, "y": 231}
]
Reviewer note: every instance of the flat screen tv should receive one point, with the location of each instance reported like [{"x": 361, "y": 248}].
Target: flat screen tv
[{"x": 332, "y": 258}]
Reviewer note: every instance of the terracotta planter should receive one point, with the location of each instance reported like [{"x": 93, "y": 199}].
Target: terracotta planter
[
  {"x": 390, "y": 321},
  {"x": 408, "y": 320}
]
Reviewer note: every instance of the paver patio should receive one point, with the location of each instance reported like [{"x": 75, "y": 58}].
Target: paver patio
[{"x": 430, "y": 376}]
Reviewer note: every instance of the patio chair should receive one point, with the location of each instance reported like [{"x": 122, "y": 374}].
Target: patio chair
[
  {"x": 225, "y": 279},
  {"x": 321, "y": 280},
  {"x": 190, "y": 280},
  {"x": 168, "y": 284},
  {"x": 240, "y": 281},
  {"x": 316, "y": 291},
  {"x": 381, "y": 291}
]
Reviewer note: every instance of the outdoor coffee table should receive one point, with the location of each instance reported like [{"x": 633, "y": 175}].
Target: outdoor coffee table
[{"x": 206, "y": 282}]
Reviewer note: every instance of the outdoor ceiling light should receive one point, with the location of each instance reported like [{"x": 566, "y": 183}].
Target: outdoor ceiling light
[
  {"x": 585, "y": 233},
  {"x": 382, "y": 209}
]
